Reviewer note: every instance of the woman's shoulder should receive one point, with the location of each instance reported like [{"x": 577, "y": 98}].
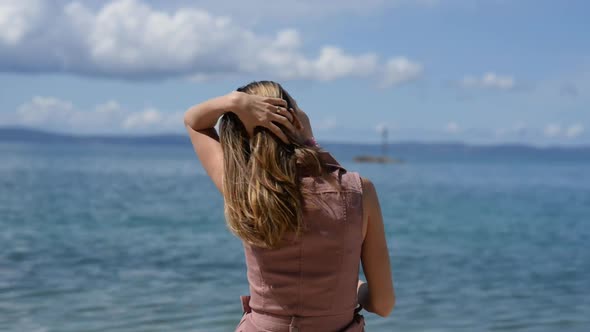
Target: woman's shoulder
[{"x": 353, "y": 181}]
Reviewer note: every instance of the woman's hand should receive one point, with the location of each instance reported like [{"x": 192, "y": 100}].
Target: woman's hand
[
  {"x": 262, "y": 111},
  {"x": 303, "y": 124}
]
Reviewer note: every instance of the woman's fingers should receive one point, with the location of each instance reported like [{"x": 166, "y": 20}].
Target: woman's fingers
[
  {"x": 285, "y": 113},
  {"x": 284, "y": 121},
  {"x": 277, "y": 101},
  {"x": 296, "y": 120},
  {"x": 277, "y": 131}
]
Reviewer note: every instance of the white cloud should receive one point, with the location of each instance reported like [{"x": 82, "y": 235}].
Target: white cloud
[
  {"x": 452, "y": 128},
  {"x": 552, "y": 130},
  {"x": 288, "y": 39},
  {"x": 152, "y": 118},
  {"x": 332, "y": 63},
  {"x": 148, "y": 117},
  {"x": 574, "y": 130},
  {"x": 45, "y": 110},
  {"x": 131, "y": 40},
  {"x": 489, "y": 80},
  {"x": 17, "y": 18},
  {"x": 555, "y": 130},
  {"x": 399, "y": 70},
  {"x": 110, "y": 107},
  {"x": 61, "y": 115}
]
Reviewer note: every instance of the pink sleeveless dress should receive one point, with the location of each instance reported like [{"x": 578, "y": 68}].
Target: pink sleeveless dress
[{"x": 310, "y": 282}]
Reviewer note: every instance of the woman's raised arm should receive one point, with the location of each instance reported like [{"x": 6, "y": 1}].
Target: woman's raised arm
[{"x": 252, "y": 110}]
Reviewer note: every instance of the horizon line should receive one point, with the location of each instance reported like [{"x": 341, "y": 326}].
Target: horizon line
[{"x": 178, "y": 135}]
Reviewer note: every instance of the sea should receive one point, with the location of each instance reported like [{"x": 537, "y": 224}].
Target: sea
[{"x": 131, "y": 237}]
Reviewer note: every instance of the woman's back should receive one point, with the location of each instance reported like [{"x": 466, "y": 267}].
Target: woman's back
[{"x": 313, "y": 276}]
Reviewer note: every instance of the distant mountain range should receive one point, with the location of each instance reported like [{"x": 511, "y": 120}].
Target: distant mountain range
[{"x": 22, "y": 134}]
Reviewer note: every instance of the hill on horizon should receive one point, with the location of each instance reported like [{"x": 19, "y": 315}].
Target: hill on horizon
[{"x": 33, "y": 135}]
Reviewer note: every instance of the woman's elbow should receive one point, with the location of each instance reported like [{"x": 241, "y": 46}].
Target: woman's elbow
[
  {"x": 187, "y": 119},
  {"x": 385, "y": 306}
]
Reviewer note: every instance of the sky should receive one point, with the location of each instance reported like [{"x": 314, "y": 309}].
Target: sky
[{"x": 473, "y": 71}]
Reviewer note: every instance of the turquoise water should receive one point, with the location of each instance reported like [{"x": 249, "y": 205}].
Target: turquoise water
[{"x": 132, "y": 238}]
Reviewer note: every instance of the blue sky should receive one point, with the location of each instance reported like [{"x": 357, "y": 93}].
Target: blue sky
[{"x": 428, "y": 70}]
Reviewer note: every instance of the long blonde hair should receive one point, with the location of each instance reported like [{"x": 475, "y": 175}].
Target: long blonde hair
[{"x": 261, "y": 182}]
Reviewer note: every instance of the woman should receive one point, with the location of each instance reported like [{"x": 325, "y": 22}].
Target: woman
[{"x": 304, "y": 220}]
